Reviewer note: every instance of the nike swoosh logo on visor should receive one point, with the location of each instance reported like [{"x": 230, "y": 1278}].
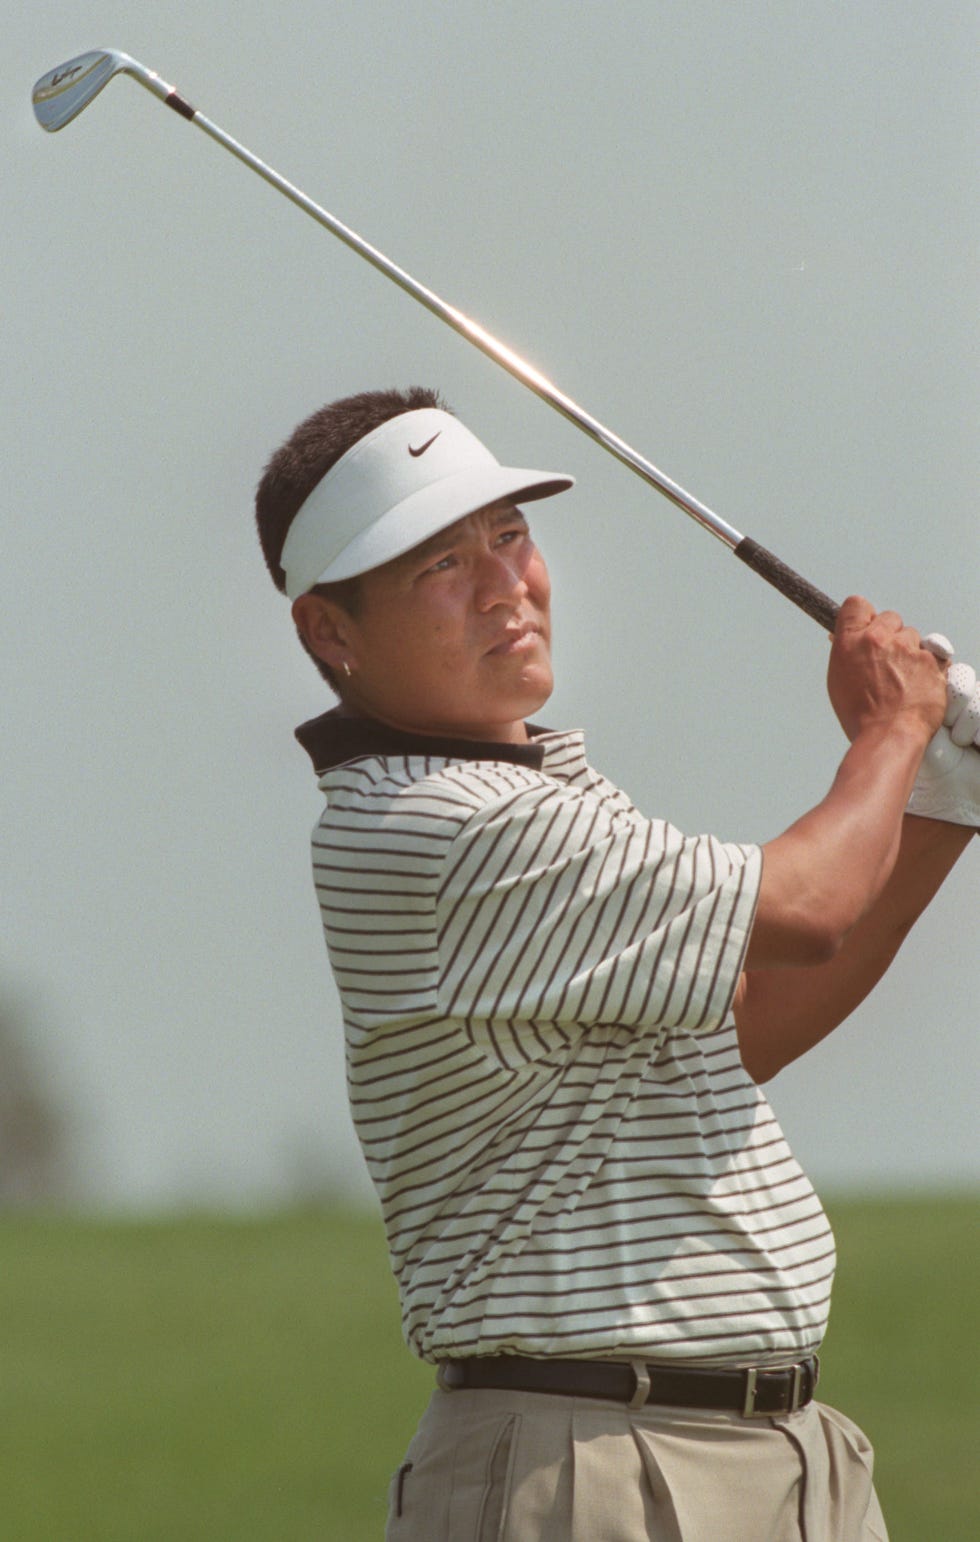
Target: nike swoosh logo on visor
[{"x": 423, "y": 447}]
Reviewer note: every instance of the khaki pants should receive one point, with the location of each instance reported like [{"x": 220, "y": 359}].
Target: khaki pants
[{"x": 489, "y": 1466}]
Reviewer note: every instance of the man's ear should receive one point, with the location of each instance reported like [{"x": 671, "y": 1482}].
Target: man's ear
[{"x": 323, "y": 627}]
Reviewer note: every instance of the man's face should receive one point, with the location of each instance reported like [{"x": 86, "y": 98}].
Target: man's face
[{"x": 455, "y": 637}]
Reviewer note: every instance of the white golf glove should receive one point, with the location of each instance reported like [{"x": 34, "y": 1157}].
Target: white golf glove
[
  {"x": 948, "y": 784},
  {"x": 962, "y": 705}
]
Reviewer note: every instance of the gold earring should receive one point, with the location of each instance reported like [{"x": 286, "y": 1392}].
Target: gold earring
[{"x": 346, "y": 669}]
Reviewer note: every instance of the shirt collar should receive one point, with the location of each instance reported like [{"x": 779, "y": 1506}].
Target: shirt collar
[{"x": 336, "y": 736}]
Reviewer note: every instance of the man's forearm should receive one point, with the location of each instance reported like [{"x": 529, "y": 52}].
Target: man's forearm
[
  {"x": 831, "y": 867},
  {"x": 781, "y": 1013}
]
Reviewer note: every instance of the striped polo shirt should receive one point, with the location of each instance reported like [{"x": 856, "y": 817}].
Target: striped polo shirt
[{"x": 543, "y": 1069}]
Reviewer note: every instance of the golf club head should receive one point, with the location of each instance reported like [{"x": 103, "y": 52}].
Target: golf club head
[{"x": 65, "y": 91}]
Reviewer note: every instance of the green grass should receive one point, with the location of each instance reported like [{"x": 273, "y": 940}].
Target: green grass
[
  {"x": 245, "y": 1381},
  {"x": 899, "y": 1356}
]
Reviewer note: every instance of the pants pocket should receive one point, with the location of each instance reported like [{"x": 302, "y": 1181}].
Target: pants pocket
[
  {"x": 857, "y": 1512},
  {"x": 455, "y": 1482},
  {"x": 396, "y": 1491},
  {"x": 482, "y": 1472}
]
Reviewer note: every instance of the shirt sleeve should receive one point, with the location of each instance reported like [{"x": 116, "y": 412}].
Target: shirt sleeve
[{"x": 556, "y": 911}]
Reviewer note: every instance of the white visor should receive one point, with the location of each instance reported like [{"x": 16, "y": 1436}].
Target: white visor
[{"x": 403, "y": 482}]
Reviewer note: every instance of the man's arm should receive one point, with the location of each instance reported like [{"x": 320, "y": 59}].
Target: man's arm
[
  {"x": 780, "y": 1013},
  {"x": 829, "y": 869},
  {"x": 842, "y": 886}
]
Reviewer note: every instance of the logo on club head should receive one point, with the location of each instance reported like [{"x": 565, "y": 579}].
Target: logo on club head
[{"x": 423, "y": 447}]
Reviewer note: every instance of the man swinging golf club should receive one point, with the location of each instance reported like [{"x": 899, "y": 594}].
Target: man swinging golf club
[{"x": 558, "y": 1012}]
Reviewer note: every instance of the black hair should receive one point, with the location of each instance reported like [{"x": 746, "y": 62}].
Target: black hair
[{"x": 306, "y": 456}]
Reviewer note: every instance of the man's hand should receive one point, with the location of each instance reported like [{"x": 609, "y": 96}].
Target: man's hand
[
  {"x": 947, "y": 786},
  {"x": 880, "y": 674}
]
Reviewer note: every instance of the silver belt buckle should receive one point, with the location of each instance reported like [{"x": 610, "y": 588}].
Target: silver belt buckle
[{"x": 749, "y": 1410}]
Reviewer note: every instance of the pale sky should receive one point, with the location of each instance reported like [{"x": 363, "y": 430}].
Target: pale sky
[{"x": 743, "y": 236}]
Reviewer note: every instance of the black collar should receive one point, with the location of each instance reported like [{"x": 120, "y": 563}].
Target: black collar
[{"x": 336, "y": 737}]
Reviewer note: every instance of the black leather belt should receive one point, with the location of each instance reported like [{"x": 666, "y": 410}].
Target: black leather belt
[{"x": 755, "y": 1392}]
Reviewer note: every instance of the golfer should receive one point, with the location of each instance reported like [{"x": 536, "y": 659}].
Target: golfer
[{"x": 558, "y": 1012}]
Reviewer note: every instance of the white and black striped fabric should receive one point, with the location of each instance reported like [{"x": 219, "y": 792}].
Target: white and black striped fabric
[{"x": 543, "y": 1072}]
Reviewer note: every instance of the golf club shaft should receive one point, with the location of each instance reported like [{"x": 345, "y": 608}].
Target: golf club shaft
[
  {"x": 768, "y": 566},
  {"x": 791, "y": 584}
]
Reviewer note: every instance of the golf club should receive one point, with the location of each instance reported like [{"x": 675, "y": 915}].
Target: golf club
[{"x": 64, "y": 92}]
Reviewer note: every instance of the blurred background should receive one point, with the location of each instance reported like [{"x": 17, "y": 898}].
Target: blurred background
[{"x": 743, "y": 236}]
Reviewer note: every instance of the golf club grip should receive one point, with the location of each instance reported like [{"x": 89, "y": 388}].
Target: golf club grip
[{"x": 796, "y": 588}]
